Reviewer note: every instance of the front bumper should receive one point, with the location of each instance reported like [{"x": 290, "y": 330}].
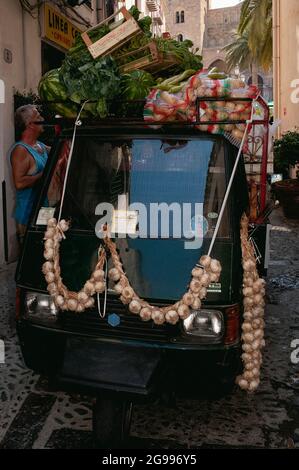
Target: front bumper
[{"x": 85, "y": 363}]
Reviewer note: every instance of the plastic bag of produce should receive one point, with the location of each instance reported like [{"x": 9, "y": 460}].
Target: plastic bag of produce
[
  {"x": 163, "y": 106},
  {"x": 181, "y": 106}
]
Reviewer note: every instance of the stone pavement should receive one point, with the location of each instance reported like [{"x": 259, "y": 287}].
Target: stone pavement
[{"x": 33, "y": 416}]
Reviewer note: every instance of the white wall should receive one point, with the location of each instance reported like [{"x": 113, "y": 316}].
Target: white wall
[{"x": 286, "y": 62}]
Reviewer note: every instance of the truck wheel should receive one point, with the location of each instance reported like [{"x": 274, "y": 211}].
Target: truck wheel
[{"x": 111, "y": 421}]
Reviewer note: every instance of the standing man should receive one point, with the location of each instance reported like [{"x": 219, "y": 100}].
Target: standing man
[{"x": 28, "y": 159}]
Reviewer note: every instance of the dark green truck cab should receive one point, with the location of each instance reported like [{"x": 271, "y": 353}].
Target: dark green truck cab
[{"x": 117, "y": 356}]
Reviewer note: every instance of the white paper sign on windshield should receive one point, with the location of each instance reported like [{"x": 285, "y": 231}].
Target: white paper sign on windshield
[
  {"x": 45, "y": 213},
  {"x": 124, "y": 222}
]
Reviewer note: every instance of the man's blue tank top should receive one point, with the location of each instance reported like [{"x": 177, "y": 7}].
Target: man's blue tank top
[{"x": 26, "y": 197}]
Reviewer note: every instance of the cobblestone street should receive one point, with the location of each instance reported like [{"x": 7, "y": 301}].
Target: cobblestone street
[{"x": 33, "y": 416}]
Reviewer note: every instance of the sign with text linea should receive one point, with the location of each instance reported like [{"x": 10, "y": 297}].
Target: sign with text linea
[{"x": 58, "y": 28}]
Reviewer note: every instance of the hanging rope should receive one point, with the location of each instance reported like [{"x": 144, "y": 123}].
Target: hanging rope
[
  {"x": 228, "y": 190},
  {"x": 103, "y": 313},
  {"x": 77, "y": 124}
]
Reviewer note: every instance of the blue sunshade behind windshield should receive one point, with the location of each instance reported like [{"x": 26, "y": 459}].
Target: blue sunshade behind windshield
[{"x": 167, "y": 172}]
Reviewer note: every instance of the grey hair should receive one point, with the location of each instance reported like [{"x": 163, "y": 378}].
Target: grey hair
[{"x": 23, "y": 115}]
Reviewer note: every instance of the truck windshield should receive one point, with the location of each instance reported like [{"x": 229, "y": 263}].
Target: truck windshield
[{"x": 146, "y": 171}]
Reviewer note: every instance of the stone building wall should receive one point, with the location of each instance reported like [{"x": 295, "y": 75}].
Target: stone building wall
[
  {"x": 221, "y": 24},
  {"x": 193, "y": 27}
]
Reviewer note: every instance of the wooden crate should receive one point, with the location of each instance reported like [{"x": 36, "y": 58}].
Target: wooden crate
[
  {"x": 116, "y": 38},
  {"x": 152, "y": 61}
]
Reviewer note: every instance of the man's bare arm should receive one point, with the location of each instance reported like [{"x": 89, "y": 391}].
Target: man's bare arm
[{"x": 20, "y": 161}]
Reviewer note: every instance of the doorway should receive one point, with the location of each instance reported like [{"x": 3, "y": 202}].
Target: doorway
[{"x": 51, "y": 57}]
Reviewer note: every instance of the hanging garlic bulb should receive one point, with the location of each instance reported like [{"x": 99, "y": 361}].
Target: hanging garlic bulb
[
  {"x": 247, "y": 327},
  {"x": 145, "y": 314},
  {"x": 118, "y": 288},
  {"x": 125, "y": 300},
  {"x": 83, "y": 297},
  {"x": 258, "y": 299},
  {"x": 258, "y": 285},
  {"x": 258, "y": 323},
  {"x": 249, "y": 265},
  {"x": 124, "y": 281},
  {"x": 248, "y": 281},
  {"x": 50, "y": 277},
  {"x": 205, "y": 261},
  {"x": 249, "y": 366},
  {"x": 49, "y": 254},
  {"x": 135, "y": 306},
  {"x": 49, "y": 243},
  {"x": 114, "y": 274},
  {"x": 52, "y": 288},
  {"x": 256, "y": 344},
  {"x": 248, "y": 316},
  {"x": 80, "y": 308},
  {"x": 89, "y": 288},
  {"x": 248, "y": 375},
  {"x": 48, "y": 267},
  {"x": 258, "y": 312},
  {"x": 248, "y": 337},
  {"x": 128, "y": 293},
  {"x": 215, "y": 266},
  {"x": 196, "y": 304},
  {"x": 243, "y": 384},
  {"x": 188, "y": 299},
  {"x": 205, "y": 280},
  {"x": 253, "y": 386},
  {"x": 99, "y": 287},
  {"x": 158, "y": 317},
  {"x": 172, "y": 317},
  {"x": 89, "y": 303},
  {"x": 195, "y": 286},
  {"x": 57, "y": 238},
  {"x": 50, "y": 233},
  {"x": 246, "y": 357},
  {"x": 52, "y": 223},
  {"x": 197, "y": 272},
  {"x": 183, "y": 311},
  {"x": 98, "y": 275},
  {"x": 72, "y": 305},
  {"x": 248, "y": 302},
  {"x": 214, "y": 277},
  {"x": 257, "y": 355},
  {"x": 259, "y": 334},
  {"x": 59, "y": 300},
  {"x": 248, "y": 292},
  {"x": 64, "y": 225}
]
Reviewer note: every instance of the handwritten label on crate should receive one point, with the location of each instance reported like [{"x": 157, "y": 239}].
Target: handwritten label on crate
[{"x": 112, "y": 39}]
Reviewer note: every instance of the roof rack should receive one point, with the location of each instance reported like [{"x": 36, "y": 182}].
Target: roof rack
[{"x": 134, "y": 114}]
